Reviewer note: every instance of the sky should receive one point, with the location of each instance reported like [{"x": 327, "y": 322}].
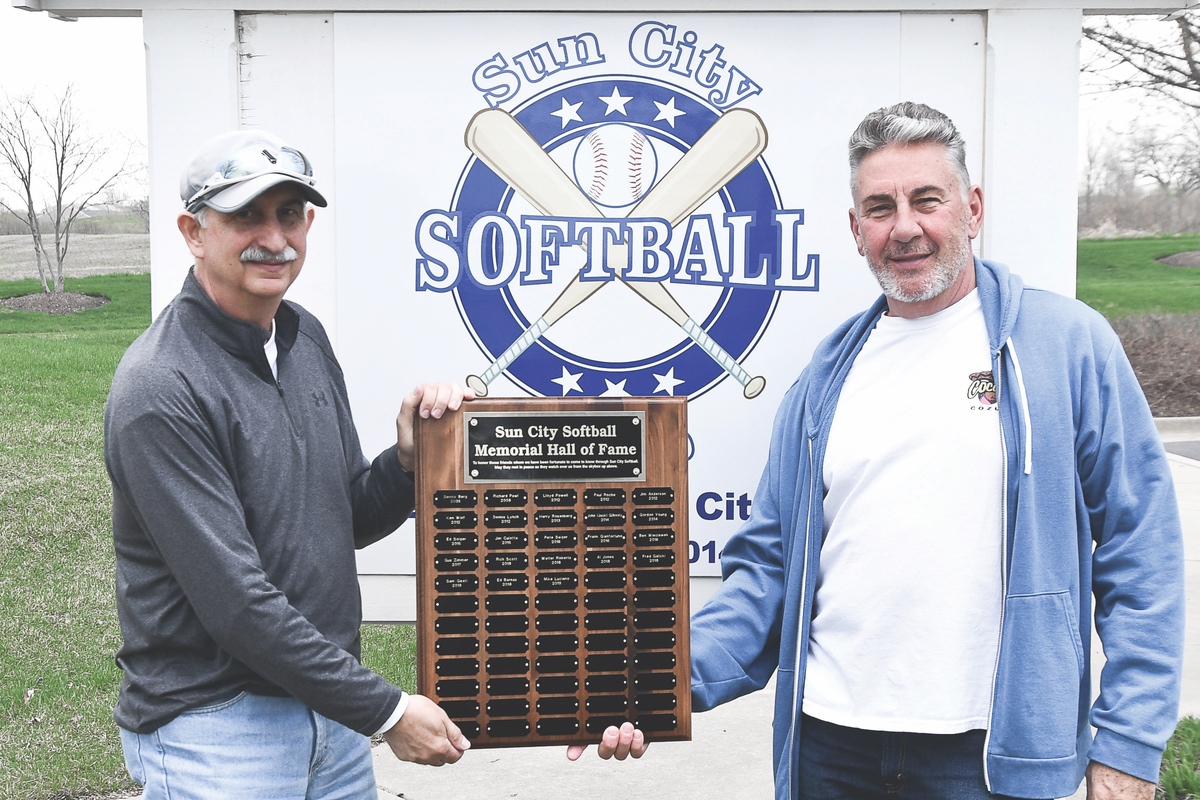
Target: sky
[
  {"x": 102, "y": 57},
  {"x": 1104, "y": 112}
]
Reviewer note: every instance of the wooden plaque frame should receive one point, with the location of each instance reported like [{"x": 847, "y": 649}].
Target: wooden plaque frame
[{"x": 552, "y": 568}]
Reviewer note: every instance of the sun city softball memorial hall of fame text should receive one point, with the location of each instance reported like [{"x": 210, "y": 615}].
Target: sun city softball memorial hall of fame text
[{"x": 528, "y": 447}]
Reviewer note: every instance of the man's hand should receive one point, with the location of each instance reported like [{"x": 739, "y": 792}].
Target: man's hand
[
  {"x": 619, "y": 743},
  {"x": 425, "y": 735},
  {"x": 428, "y": 400},
  {"x": 1106, "y": 783}
]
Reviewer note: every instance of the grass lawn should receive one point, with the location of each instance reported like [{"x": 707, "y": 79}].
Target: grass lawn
[
  {"x": 58, "y": 626},
  {"x": 1120, "y": 277},
  {"x": 1180, "y": 773},
  {"x": 58, "y": 629}
]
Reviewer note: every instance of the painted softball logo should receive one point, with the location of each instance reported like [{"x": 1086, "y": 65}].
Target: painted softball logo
[
  {"x": 615, "y": 179},
  {"x": 615, "y": 165},
  {"x": 735, "y": 139}
]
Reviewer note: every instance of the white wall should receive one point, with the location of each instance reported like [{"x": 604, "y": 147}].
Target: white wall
[
  {"x": 192, "y": 89},
  {"x": 1030, "y": 139},
  {"x": 1008, "y": 78}
]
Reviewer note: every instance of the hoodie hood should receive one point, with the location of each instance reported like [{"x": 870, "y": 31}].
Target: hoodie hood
[{"x": 999, "y": 293}]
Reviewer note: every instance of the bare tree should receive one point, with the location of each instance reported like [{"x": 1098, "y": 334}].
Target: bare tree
[
  {"x": 1144, "y": 179},
  {"x": 1157, "y": 56},
  {"x": 18, "y": 154},
  {"x": 1094, "y": 173},
  {"x": 136, "y": 204},
  {"x": 141, "y": 207},
  {"x": 50, "y": 156},
  {"x": 1169, "y": 159},
  {"x": 1158, "y": 60}
]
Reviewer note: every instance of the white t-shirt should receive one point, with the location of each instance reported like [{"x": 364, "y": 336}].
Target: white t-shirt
[{"x": 906, "y": 623}]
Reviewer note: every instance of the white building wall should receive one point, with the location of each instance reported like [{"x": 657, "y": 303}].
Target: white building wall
[
  {"x": 192, "y": 90},
  {"x": 1030, "y": 140},
  {"x": 1008, "y": 78}
]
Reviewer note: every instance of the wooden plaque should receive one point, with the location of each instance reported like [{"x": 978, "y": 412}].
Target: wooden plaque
[{"x": 552, "y": 568}]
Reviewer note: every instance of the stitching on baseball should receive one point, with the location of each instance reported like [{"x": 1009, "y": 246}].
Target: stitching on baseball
[
  {"x": 635, "y": 164},
  {"x": 600, "y": 161}
]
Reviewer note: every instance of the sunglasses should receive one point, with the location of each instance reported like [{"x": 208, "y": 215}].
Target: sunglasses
[{"x": 251, "y": 162}]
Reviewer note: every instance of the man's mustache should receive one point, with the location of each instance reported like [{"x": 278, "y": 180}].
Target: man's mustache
[
  {"x": 264, "y": 256},
  {"x": 908, "y": 250}
]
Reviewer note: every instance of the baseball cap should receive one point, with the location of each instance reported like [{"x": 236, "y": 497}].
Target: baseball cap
[{"x": 236, "y": 167}]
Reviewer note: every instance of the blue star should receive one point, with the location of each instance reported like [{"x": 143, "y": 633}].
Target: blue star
[
  {"x": 615, "y": 102},
  {"x": 570, "y": 112}
]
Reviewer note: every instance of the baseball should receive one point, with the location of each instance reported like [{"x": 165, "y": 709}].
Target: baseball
[{"x": 615, "y": 165}]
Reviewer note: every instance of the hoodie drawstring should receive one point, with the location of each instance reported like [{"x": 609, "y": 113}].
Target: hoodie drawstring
[{"x": 1012, "y": 351}]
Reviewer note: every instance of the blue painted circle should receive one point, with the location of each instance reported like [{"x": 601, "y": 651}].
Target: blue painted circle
[{"x": 736, "y": 320}]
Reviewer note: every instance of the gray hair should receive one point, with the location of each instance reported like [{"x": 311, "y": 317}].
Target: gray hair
[{"x": 904, "y": 124}]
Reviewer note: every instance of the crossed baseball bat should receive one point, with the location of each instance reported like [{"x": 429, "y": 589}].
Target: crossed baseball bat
[{"x": 733, "y": 142}]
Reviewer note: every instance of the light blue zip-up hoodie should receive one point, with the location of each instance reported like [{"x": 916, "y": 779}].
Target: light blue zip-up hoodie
[{"x": 1084, "y": 468}]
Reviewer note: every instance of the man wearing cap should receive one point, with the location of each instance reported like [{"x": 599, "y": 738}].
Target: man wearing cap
[{"x": 240, "y": 492}]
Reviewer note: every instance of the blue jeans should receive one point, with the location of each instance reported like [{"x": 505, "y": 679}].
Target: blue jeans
[
  {"x": 838, "y": 763},
  {"x": 267, "y": 748}
]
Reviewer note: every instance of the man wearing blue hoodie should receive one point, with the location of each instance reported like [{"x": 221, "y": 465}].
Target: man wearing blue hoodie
[
  {"x": 954, "y": 475},
  {"x": 952, "y": 478}
]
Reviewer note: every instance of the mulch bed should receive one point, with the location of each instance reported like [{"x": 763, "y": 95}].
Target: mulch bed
[
  {"x": 1188, "y": 259},
  {"x": 54, "y": 302},
  {"x": 1164, "y": 350}
]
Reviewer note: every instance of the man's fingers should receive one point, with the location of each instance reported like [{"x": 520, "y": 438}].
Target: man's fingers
[
  {"x": 425, "y": 735},
  {"x": 609, "y": 741},
  {"x": 437, "y": 399},
  {"x": 454, "y": 735},
  {"x": 451, "y": 748},
  {"x": 434, "y": 399},
  {"x": 629, "y": 735},
  {"x": 637, "y": 747},
  {"x": 426, "y": 400},
  {"x": 618, "y": 743}
]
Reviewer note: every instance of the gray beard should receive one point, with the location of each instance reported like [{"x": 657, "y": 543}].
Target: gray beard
[{"x": 947, "y": 266}]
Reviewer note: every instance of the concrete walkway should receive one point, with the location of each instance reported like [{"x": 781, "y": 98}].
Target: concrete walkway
[{"x": 729, "y": 757}]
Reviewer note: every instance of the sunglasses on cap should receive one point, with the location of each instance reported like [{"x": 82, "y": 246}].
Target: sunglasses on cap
[{"x": 249, "y": 163}]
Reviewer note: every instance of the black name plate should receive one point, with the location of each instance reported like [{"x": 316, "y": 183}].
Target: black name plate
[{"x": 528, "y": 447}]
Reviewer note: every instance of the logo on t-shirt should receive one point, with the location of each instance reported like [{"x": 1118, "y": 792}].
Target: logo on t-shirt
[{"x": 982, "y": 389}]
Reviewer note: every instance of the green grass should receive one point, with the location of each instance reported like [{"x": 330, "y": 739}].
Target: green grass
[
  {"x": 1120, "y": 277},
  {"x": 58, "y": 629},
  {"x": 58, "y": 626},
  {"x": 128, "y": 308},
  {"x": 1179, "y": 778},
  {"x": 391, "y": 650}
]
